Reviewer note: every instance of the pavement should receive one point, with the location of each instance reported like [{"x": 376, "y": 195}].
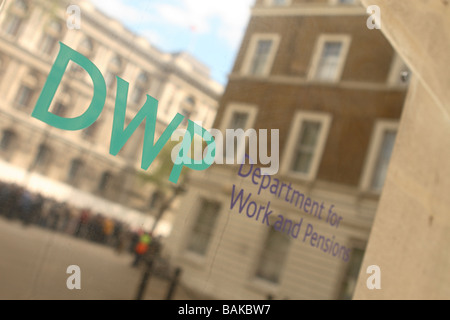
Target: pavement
[{"x": 34, "y": 261}]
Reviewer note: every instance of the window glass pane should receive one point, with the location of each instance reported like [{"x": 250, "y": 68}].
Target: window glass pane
[
  {"x": 329, "y": 61},
  {"x": 21, "y": 4},
  {"x": 238, "y": 120},
  {"x": 110, "y": 79},
  {"x": 383, "y": 159},
  {"x": 137, "y": 95},
  {"x": 60, "y": 109},
  {"x": 42, "y": 158},
  {"x": 260, "y": 57},
  {"x": 306, "y": 146},
  {"x": 274, "y": 255},
  {"x": 74, "y": 170},
  {"x": 204, "y": 227},
  {"x": 24, "y": 96},
  {"x": 7, "y": 140},
  {"x": 48, "y": 44},
  {"x": 13, "y": 24},
  {"x": 302, "y": 162},
  {"x": 310, "y": 133},
  {"x": 142, "y": 78},
  {"x": 104, "y": 181},
  {"x": 187, "y": 114},
  {"x": 89, "y": 132},
  {"x": 352, "y": 274}
]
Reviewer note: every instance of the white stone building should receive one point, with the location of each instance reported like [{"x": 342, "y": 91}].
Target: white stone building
[{"x": 29, "y": 36}]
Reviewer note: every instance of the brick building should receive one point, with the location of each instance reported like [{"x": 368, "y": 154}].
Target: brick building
[{"x": 335, "y": 90}]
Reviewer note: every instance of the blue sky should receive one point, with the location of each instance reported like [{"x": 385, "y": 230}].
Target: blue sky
[{"x": 210, "y": 30}]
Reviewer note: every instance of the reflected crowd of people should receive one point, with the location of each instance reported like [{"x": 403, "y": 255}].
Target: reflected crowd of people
[{"x": 18, "y": 203}]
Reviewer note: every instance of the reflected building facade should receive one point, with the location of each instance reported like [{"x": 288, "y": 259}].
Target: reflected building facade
[
  {"x": 30, "y": 33},
  {"x": 335, "y": 90}
]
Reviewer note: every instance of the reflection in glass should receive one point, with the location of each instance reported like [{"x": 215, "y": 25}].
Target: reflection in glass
[
  {"x": 274, "y": 255},
  {"x": 260, "y": 58},
  {"x": 306, "y": 146},
  {"x": 204, "y": 226},
  {"x": 383, "y": 160}
]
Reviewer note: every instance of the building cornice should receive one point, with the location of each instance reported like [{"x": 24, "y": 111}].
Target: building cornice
[
  {"x": 303, "y": 81},
  {"x": 308, "y": 10},
  {"x": 128, "y": 39}
]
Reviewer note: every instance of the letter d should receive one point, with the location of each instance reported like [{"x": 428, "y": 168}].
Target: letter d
[
  {"x": 41, "y": 112},
  {"x": 294, "y": 234}
]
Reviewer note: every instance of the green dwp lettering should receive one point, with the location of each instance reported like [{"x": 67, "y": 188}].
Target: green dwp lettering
[{"x": 119, "y": 134}]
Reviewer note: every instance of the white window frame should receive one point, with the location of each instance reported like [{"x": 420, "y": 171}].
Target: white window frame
[
  {"x": 251, "y": 110},
  {"x": 345, "y": 39},
  {"x": 294, "y": 133},
  {"x": 381, "y": 126},
  {"x": 252, "y": 49}
]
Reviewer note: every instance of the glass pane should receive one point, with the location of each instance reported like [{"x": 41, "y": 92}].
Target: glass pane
[
  {"x": 273, "y": 256},
  {"x": 104, "y": 181},
  {"x": 21, "y": 4},
  {"x": 238, "y": 121},
  {"x": 352, "y": 274},
  {"x": 138, "y": 94},
  {"x": 260, "y": 58},
  {"x": 302, "y": 162},
  {"x": 309, "y": 133},
  {"x": 329, "y": 61},
  {"x": 383, "y": 160},
  {"x": 48, "y": 44},
  {"x": 7, "y": 139},
  {"x": 74, "y": 170},
  {"x": 204, "y": 226},
  {"x": 270, "y": 65},
  {"x": 24, "y": 96},
  {"x": 12, "y": 25}
]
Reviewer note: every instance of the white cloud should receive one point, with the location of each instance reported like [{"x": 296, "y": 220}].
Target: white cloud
[
  {"x": 231, "y": 16},
  {"x": 154, "y": 38},
  {"x": 123, "y": 10}
]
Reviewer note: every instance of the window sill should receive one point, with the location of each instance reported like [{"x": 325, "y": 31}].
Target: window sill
[
  {"x": 299, "y": 176},
  {"x": 263, "y": 286}
]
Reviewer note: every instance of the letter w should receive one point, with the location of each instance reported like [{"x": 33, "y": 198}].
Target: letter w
[
  {"x": 258, "y": 309},
  {"x": 239, "y": 197},
  {"x": 147, "y": 113}
]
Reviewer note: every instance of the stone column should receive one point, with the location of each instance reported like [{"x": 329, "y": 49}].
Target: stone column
[{"x": 410, "y": 238}]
